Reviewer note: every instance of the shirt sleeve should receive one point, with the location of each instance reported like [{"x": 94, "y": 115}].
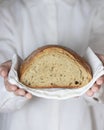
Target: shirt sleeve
[
  {"x": 97, "y": 28},
  {"x": 97, "y": 44},
  {"x": 98, "y": 97},
  {"x": 8, "y": 46}
]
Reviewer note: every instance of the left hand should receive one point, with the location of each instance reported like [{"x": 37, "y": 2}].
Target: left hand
[
  {"x": 100, "y": 81},
  {"x": 4, "y": 70}
]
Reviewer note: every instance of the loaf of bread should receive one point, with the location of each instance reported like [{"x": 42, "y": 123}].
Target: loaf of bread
[{"x": 55, "y": 66}]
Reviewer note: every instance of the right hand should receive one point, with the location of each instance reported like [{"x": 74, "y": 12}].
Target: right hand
[{"x": 4, "y": 70}]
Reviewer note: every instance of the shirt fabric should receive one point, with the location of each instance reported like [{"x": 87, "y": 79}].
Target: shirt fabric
[{"x": 28, "y": 24}]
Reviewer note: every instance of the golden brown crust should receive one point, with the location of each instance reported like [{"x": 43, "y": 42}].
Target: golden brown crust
[
  {"x": 72, "y": 87},
  {"x": 35, "y": 53}
]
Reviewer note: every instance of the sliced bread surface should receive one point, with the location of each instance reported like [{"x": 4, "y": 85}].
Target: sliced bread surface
[{"x": 55, "y": 66}]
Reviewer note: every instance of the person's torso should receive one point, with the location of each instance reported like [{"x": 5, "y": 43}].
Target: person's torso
[
  {"x": 53, "y": 22},
  {"x": 50, "y": 22}
]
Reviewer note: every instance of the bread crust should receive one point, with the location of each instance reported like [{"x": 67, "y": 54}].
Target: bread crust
[{"x": 26, "y": 63}]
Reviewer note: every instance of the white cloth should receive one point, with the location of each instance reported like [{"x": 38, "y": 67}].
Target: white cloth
[
  {"x": 28, "y": 24},
  {"x": 57, "y": 93}
]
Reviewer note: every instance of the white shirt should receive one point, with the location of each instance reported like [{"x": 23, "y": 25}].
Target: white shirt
[{"x": 28, "y": 24}]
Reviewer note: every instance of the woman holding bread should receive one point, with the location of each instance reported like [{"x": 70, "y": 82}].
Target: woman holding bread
[{"x": 26, "y": 25}]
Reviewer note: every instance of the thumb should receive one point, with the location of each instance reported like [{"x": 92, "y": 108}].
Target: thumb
[{"x": 4, "y": 68}]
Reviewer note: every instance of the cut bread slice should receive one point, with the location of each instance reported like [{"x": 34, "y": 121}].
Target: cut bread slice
[{"x": 55, "y": 66}]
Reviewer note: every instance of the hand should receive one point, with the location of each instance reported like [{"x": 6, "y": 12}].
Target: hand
[
  {"x": 4, "y": 69},
  {"x": 95, "y": 88}
]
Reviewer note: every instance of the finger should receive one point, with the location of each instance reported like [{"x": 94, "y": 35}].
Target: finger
[
  {"x": 90, "y": 93},
  {"x": 101, "y": 57},
  {"x": 20, "y": 92},
  {"x": 28, "y": 95},
  {"x": 8, "y": 86},
  {"x": 100, "y": 81},
  {"x": 7, "y": 63},
  {"x": 95, "y": 88},
  {"x": 4, "y": 71},
  {"x": 4, "y": 68},
  {"x": 92, "y": 90}
]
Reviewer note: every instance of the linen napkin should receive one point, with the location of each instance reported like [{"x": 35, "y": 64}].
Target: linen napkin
[{"x": 59, "y": 93}]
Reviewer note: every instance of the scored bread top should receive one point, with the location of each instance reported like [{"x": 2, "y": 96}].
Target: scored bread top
[{"x": 63, "y": 76}]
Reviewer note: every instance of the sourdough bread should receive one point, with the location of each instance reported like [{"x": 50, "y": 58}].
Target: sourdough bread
[{"x": 55, "y": 66}]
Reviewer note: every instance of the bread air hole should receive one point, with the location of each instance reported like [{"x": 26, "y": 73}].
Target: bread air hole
[
  {"x": 29, "y": 83},
  {"x": 52, "y": 84},
  {"x": 76, "y": 82},
  {"x": 70, "y": 84},
  {"x": 32, "y": 76}
]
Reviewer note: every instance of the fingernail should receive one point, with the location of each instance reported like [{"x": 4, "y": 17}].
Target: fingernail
[
  {"x": 28, "y": 96},
  {"x": 3, "y": 73},
  {"x": 90, "y": 93},
  {"x": 22, "y": 93},
  {"x": 14, "y": 88},
  {"x": 99, "y": 82}
]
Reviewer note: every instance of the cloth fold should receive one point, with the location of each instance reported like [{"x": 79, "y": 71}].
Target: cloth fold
[{"x": 59, "y": 93}]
